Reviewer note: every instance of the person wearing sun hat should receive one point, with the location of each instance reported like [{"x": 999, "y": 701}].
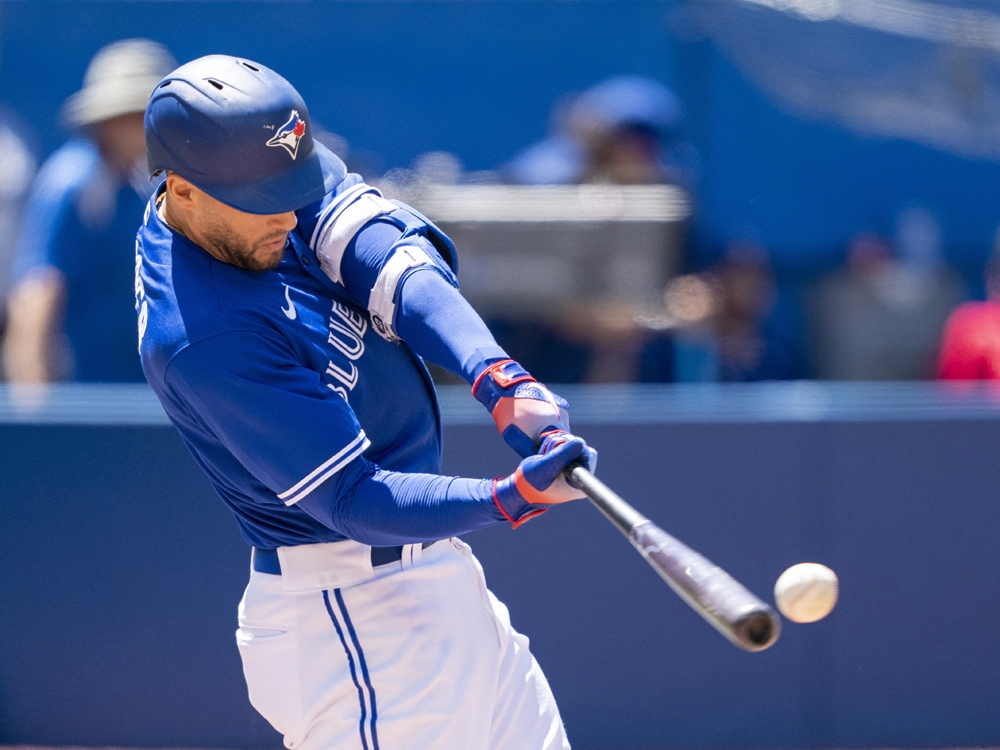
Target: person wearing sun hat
[{"x": 71, "y": 309}]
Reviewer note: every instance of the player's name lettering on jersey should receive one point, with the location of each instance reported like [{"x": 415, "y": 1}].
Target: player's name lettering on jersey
[
  {"x": 141, "y": 305},
  {"x": 345, "y": 333}
]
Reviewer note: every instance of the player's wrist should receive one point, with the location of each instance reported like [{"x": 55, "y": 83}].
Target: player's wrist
[
  {"x": 511, "y": 500},
  {"x": 497, "y": 381},
  {"x": 539, "y": 481},
  {"x": 522, "y": 407}
]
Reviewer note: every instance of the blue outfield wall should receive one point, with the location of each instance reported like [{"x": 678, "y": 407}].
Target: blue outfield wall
[{"x": 123, "y": 571}]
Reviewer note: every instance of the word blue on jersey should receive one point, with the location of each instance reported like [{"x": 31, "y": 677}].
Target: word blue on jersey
[{"x": 294, "y": 389}]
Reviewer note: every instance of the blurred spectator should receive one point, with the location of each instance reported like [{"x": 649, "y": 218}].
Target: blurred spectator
[
  {"x": 17, "y": 168},
  {"x": 753, "y": 343},
  {"x": 880, "y": 317},
  {"x": 723, "y": 325},
  {"x": 625, "y": 130},
  {"x": 685, "y": 350},
  {"x": 71, "y": 310},
  {"x": 971, "y": 346}
]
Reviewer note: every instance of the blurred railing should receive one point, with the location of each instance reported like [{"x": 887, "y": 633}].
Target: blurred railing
[
  {"x": 674, "y": 403},
  {"x": 536, "y": 250}
]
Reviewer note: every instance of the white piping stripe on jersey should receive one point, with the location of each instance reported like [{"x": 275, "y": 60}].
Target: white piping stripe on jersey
[
  {"x": 381, "y": 301},
  {"x": 326, "y": 470},
  {"x": 341, "y": 228}
]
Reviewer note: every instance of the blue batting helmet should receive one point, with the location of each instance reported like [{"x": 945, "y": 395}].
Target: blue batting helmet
[{"x": 241, "y": 133}]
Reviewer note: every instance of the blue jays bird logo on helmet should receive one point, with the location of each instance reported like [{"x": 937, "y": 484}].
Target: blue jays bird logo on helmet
[{"x": 289, "y": 134}]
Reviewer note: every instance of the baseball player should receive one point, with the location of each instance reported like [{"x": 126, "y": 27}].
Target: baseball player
[{"x": 285, "y": 309}]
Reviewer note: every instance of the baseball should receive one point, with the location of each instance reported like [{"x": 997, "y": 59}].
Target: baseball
[{"x": 806, "y": 592}]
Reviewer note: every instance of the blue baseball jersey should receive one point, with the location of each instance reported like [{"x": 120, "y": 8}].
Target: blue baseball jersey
[{"x": 292, "y": 387}]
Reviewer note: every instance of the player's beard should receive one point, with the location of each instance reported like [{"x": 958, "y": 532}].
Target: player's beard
[{"x": 236, "y": 251}]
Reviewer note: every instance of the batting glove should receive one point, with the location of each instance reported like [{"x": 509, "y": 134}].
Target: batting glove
[
  {"x": 522, "y": 407},
  {"x": 539, "y": 482}
]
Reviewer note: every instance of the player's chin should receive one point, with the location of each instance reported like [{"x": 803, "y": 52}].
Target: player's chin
[
  {"x": 271, "y": 263},
  {"x": 258, "y": 263},
  {"x": 267, "y": 256}
]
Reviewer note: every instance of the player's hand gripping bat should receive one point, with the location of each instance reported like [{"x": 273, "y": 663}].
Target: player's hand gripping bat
[{"x": 714, "y": 594}]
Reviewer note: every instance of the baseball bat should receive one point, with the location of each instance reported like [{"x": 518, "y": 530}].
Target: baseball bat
[{"x": 728, "y": 606}]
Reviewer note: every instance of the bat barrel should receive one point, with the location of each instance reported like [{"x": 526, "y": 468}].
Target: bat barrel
[{"x": 723, "y": 601}]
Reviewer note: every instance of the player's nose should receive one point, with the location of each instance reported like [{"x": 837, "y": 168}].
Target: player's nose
[{"x": 286, "y": 221}]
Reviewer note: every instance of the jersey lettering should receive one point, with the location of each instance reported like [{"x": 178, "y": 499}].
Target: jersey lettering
[
  {"x": 348, "y": 378},
  {"x": 354, "y": 320},
  {"x": 345, "y": 333},
  {"x": 140, "y": 287},
  {"x": 140, "y": 295},
  {"x": 143, "y": 321},
  {"x": 345, "y": 340},
  {"x": 339, "y": 390}
]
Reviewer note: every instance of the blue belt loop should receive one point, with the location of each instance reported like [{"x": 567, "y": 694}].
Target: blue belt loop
[{"x": 266, "y": 560}]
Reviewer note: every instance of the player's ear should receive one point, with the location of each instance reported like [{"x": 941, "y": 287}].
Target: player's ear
[{"x": 181, "y": 191}]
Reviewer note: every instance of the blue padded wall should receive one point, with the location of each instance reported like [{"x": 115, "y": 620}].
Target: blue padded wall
[{"x": 123, "y": 571}]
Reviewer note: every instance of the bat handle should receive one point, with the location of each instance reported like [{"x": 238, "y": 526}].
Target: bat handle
[{"x": 619, "y": 512}]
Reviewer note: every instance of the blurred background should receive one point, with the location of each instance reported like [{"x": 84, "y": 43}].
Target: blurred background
[
  {"x": 658, "y": 204},
  {"x": 656, "y": 191}
]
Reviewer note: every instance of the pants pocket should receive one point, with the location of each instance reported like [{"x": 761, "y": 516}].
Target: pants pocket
[
  {"x": 269, "y": 665},
  {"x": 486, "y": 599}
]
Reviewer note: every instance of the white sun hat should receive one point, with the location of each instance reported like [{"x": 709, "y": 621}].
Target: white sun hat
[{"x": 118, "y": 81}]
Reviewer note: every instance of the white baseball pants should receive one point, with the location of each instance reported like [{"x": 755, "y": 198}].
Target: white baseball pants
[{"x": 412, "y": 655}]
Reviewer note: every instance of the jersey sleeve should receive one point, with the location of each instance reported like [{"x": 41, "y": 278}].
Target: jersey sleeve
[
  {"x": 248, "y": 397},
  {"x": 442, "y": 327},
  {"x": 406, "y": 284},
  {"x": 375, "y": 249},
  {"x": 384, "y": 508}
]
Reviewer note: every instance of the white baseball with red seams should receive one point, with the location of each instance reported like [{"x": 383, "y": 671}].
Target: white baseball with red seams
[{"x": 806, "y": 592}]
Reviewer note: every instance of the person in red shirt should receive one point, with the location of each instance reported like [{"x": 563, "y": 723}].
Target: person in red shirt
[{"x": 970, "y": 349}]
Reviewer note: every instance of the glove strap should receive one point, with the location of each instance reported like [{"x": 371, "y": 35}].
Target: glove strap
[
  {"x": 507, "y": 481},
  {"x": 492, "y": 382}
]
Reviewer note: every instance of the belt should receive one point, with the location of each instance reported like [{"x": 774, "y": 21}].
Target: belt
[{"x": 266, "y": 560}]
